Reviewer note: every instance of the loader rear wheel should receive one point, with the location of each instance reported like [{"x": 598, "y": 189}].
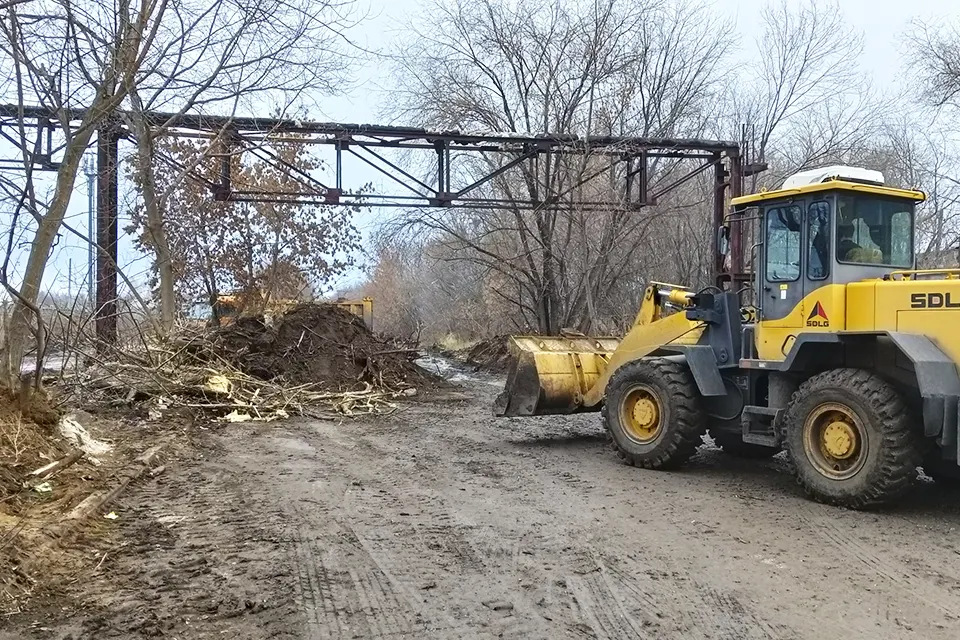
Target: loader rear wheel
[
  {"x": 652, "y": 413},
  {"x": 851, "y": 439},
  {"x": 731, "y": 443}
]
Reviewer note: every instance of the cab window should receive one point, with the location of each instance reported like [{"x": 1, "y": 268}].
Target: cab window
[
  {"x": 818, "y": 240},
  {"x": 783, "y": 243},
  {"x": 875, "y": 230}
]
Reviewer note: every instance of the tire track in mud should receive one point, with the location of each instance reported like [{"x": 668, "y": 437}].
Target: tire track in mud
[
  {"x": 343, "y": 590},
  {"x": 626, "y": 598},
  {"x": 191, "y": 562},
  {"x": 434, "y": 524},
  {"x": 633, "y": 601},
  {"x": 360, "y": 568},
  {"x": 413, "y": 527},
  {"x": 422, "y": 517},
  {"x": 417, "y": 541},
  {"x": 723, "y": 615},
  {"x": 600, "y": 605},
  {"x": 313, "y": 589},
  {"x": 822, "y": 520}
]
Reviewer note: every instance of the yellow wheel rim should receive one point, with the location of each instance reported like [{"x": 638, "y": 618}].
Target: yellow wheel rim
[
  {"x": 835, "y": 441},
  {"x": 641, "y": 414}
]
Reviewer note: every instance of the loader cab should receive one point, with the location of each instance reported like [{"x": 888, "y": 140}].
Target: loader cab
[{"x": 823, "y": 229}]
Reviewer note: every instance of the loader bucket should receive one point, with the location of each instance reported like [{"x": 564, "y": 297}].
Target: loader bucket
[{"x": 550, "y": 375}]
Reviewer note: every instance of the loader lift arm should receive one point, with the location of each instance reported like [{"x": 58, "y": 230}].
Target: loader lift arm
[{"x": 569, "y": 374}]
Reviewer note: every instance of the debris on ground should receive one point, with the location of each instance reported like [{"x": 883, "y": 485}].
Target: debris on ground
[
  {"x": 41, "y": 473},
  {"x": 71, "y": 429},
  {"x": 315, "y": 360},
  {"x": 314, "y": 357},
  {"x": 25, "y": 446},
  {"x": 491, "y": 354}
]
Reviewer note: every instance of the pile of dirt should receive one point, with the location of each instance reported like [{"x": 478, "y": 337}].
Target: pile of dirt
[
  {"x": 313, "y": 360},
  {"x": 28, "y": 439},
  {"x": 491, "y": 355},
  {"x": 317, "y": 344}
]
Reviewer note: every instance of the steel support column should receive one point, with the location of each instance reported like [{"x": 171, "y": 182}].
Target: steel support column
[
  {"x": 738, "y": 274},
  {"x": 108, "y": 138},
  {"x": 720, "y": 175}
]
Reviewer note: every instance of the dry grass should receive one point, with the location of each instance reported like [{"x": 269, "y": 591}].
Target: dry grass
[{"x": 24, "y": 446}]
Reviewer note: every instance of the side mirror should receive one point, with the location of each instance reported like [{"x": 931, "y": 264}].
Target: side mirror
[{"x": 723, "y": 244}]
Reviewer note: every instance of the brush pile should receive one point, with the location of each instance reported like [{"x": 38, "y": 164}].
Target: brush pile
[
  {"x": 491, "y": 354},
  {"x": 315, "y": 358}
]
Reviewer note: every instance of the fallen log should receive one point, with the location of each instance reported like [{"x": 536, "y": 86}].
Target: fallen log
[{"x": 47, "y": 471}]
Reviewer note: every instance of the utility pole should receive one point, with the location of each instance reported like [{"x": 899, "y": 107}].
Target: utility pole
[
  {"x": 70, "y": 279},
  {"x": 90, "y": 169},
  {"x": 108, "y": 139}
]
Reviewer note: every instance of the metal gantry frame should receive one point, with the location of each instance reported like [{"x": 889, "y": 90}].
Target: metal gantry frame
[
  {"x": 439, "y": 182},
  {"x": 442, "y": 151}
]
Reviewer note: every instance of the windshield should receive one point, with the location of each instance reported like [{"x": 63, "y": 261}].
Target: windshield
[{"x": 875, "y": 230}]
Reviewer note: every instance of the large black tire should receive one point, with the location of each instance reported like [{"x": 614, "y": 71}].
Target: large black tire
[
  {"x": 731, "y": 443},
  {"x": 888, "y": 449},
  {"x": 681, "y": 423}
]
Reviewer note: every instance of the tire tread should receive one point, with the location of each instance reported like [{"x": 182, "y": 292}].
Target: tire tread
[
  {"x": 685, "y": 434},
  {"x": 900, "y": 444}
]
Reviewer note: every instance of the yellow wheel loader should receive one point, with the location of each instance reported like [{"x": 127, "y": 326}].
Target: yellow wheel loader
[{"x": 846, "y": 358}]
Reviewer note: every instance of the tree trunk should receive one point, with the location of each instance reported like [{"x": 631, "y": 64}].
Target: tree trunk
[
  {"x": 19, "y": 330},
  {"x": 214, "y": 299},
  {"x": 549, "y": 319},
  {"x": 146, "y": 152},
  {"x": 158, "y": 236}
]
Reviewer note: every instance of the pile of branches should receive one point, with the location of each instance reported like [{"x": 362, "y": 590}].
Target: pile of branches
[
  {"x": 193, "y": 372},
  {"x": 491, "y": 354}
]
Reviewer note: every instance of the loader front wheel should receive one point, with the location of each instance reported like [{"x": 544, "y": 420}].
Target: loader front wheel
[
  {"x": 851, "y": 439},
  {"x": 652, "y": 413}
]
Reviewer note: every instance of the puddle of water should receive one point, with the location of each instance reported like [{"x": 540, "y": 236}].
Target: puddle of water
[
  {"x": 453, "y": 371},
  {"x": 54, "y": 363}
]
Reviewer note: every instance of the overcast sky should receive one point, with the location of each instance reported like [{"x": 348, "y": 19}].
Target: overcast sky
[{"x": 882, "y": 23}]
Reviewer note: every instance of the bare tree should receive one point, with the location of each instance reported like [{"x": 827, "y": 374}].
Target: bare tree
[
  {"x": 803, "y": 99},
  {"x": 923, "y": 143},
  {"x": 589, "y": 68},
  {"x": 60, "y": 54},
  {"x": 422, "y": 292},
  {"x": 215, "y": 57},
  {"x": 912, "y": 153},
  {"x": 935, "y": 55},
  {"x": 119, "y": 62}
]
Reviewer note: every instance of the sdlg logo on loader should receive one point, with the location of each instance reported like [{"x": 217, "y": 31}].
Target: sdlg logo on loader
[
  {"x": 818, "y": 317},
  {"x": 933, "y": 300}
]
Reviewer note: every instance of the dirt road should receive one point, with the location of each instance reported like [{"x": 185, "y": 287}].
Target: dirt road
[{"x": 443, "y": 522}]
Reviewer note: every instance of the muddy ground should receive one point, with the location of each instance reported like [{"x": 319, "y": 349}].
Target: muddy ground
[{"x": 443, "y": 522}]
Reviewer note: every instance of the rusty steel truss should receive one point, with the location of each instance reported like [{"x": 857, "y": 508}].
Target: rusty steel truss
[{"x": 439, "y": 180}]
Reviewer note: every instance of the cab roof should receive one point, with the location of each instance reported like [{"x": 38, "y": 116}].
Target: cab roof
[{"x": 830, "y": 185}]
